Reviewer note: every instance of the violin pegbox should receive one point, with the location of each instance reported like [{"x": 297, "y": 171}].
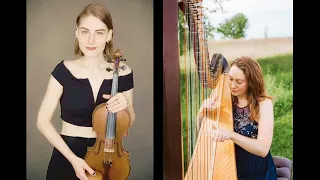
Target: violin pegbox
[{"x": 117, "y": 58}]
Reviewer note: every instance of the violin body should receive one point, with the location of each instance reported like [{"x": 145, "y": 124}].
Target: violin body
[{"x": 120, "y": 167}]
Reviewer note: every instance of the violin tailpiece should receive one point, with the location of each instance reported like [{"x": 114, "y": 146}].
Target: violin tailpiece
[{"x": 107, "y": 167}]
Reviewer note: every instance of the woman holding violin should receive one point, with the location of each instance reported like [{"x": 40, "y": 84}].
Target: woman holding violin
[{"x": 80, "y": 86}]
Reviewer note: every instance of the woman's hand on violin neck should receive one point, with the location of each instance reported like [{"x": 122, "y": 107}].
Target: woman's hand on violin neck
[
  {"x": 116, "y": 103},
  {"x": 80, "y": 167}
]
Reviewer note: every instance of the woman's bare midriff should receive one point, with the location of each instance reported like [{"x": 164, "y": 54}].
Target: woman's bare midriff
[{"x": 77, "y": 131}]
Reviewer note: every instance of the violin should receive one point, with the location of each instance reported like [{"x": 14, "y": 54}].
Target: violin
[{"x": 107, "y": 157}]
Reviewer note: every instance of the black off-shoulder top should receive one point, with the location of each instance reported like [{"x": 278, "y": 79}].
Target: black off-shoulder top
[{"x": 77, "y": 101}]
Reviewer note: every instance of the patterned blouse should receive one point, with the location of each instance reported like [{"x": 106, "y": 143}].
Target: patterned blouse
[
  {"x": 242, "y": 124},
  {"x": 250, "y": 166}
]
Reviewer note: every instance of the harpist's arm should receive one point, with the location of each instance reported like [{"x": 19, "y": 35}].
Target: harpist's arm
[{"x": 262, "y": 144}]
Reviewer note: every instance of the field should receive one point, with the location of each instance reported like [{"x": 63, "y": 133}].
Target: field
[
  {"x": 256, "y": 48},
  {"x": 276, "y": 59},
  {"x": 278, "y": 74}
]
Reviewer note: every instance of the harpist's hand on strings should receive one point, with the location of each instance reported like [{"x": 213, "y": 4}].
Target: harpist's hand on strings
[
  {"x": 220, "y": 135},
  {"x": 116, "y": 103},
  {"x": 208, "y": 104}
]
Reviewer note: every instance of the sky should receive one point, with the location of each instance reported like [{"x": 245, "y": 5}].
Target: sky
[{"x": 276, "y": 15}]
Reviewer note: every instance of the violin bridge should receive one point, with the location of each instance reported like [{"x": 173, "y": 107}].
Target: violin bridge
[{"x": 108, "y": 150}]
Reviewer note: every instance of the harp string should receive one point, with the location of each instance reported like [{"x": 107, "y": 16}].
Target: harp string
[
  {"x": 195, "y": 60},
  {"x": 186, "y": 104},
  {"x": 205, "y": 162},
  {"x": 195, "y": 86},
  {"x": 191, "y": 87}
]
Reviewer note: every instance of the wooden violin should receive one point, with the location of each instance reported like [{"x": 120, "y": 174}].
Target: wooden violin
[{"x": 107, "y": 156}]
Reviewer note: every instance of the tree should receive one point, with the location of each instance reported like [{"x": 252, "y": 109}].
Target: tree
[
  {"x": 209, "y": 28},
  {"x": 234, "y": 27},
  {"x": 219, "y": 8}
]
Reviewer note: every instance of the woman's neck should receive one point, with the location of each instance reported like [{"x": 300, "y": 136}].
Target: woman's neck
[
  {"x": 242, "y": 100},
  {"x": 94, "y": 63}
]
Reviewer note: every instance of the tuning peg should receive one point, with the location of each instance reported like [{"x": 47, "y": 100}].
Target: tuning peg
[
  {"x": 123, "y": 67},
  {"x": 109, "y": 69}
]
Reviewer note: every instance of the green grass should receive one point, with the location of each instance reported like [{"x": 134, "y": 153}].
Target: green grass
[
  {"x": 277, "y": 71},
  {"x": 278, "y": 74}
]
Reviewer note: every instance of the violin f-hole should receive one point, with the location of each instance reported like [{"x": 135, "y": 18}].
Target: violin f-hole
[{"x": 118, "y": 151}]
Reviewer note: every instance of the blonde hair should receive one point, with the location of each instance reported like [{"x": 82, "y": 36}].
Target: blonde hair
[{"x": 104, "y": 15}]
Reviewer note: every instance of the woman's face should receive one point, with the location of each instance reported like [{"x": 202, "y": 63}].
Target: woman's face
[
  {"x": 92, "y": 36},
  {"x": 238, "y": 82}
]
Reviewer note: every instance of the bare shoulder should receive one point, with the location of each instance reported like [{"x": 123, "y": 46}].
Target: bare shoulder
[
  {"x": 266, "y": 111},
  {"x": 266, "y": 104},
  {"x": 125, "y": 70},
  {"x": 71, "y": 63}
]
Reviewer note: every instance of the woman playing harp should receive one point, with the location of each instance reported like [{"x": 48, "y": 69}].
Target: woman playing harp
[
  {"x": 198, "y": 156},
  {"x": 253, "y": 121}
]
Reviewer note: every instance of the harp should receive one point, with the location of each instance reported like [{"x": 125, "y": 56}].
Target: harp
[{"x": 191, "y": 77}]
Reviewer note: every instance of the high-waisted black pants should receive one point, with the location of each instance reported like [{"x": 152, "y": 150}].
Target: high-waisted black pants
[{"x": 59, "y": 167}]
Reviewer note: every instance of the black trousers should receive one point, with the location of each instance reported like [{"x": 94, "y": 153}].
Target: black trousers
[{"x": 59, "y": 167}]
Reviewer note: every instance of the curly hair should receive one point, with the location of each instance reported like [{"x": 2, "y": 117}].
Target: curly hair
[{"x": 256, "y": 85}]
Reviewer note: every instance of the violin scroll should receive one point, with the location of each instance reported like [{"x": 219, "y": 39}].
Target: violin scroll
[{"x": 118, "y": 56}]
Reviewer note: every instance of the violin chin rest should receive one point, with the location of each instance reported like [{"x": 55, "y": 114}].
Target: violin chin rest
[{"x": 98, "y": 176}]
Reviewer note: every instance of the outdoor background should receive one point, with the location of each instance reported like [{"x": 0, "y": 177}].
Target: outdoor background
[{"x": 263, "y": 30}]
